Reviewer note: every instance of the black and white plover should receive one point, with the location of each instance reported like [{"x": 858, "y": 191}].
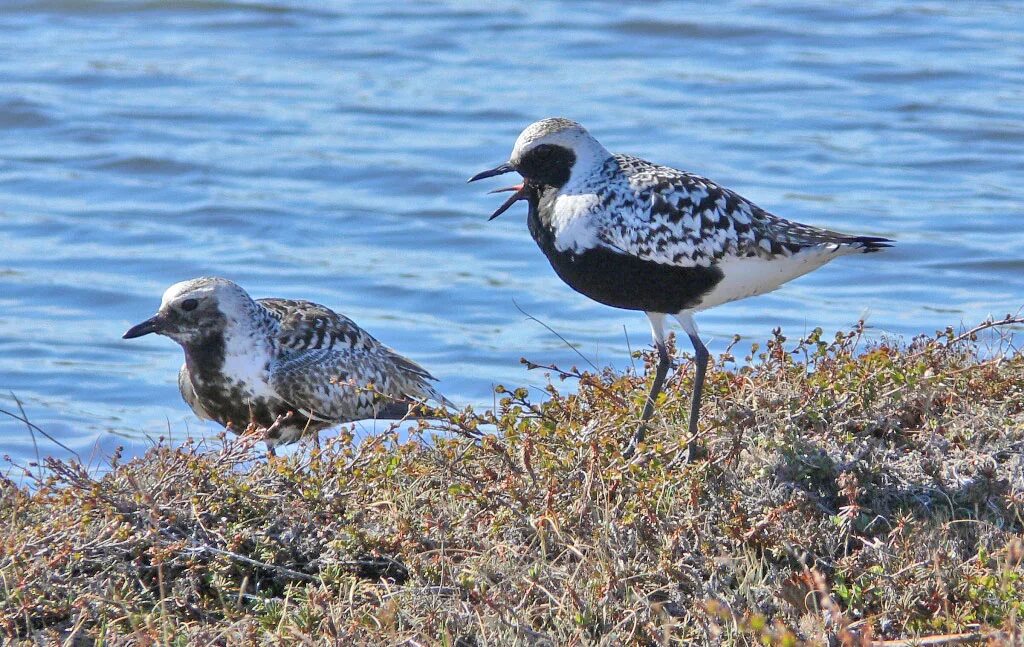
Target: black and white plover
[
  {"x": 289, "y": 367},
  {"x": 632, "y": 234}
]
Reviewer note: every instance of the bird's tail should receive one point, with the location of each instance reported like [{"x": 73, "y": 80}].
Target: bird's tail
[
  {"x": 868, "y": 244},
  {"x": 419, "y": 385},
  {"x": 399, "y": 408},
  {"x": 436, "y": 396}
]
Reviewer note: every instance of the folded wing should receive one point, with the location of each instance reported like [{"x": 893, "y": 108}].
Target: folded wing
[
  {"x": 686, "y": 220},
  {"x": 331, "y": 370}
]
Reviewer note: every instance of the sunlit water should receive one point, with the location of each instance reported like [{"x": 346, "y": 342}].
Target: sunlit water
[{"x": 322, "y": 153}]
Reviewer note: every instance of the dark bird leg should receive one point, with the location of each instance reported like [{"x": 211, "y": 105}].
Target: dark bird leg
[
  {"x": 664, "y": 362},
  {"x": 700, "y": 358}
]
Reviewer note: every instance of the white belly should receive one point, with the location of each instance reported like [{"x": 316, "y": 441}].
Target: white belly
[{"x": 752, "y": 275}]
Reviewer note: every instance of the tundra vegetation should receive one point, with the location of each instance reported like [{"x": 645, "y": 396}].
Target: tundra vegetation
[{"x": 847, "y": 492}]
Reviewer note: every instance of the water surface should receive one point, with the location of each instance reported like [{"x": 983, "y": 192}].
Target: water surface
[{"x": 319, "y": 150}]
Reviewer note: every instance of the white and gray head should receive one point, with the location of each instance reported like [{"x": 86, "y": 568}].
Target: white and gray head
[
  {"x": 193, "y": 310},
  {"x": 553, "y": 152}
]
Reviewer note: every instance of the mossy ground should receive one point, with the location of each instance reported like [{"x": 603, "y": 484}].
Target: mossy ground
[{"x": 847, "y": 492}]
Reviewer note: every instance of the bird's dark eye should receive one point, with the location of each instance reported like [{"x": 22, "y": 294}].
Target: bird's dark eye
[{"x": 188, "y": 305}]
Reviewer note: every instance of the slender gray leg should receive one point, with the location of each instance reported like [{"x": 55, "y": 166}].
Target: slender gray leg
[
  {"x": 701, "y": 357},
  {"x": 664, "y": 362}
]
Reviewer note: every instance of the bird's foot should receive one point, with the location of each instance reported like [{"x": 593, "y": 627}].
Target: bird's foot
[
  {"x": 694, "y": 452},
  {"x": 634, "y": 442},
  {"x": 639, "y": 434}
]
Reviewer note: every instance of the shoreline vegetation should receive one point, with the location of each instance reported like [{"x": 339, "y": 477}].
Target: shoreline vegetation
[{"x": 848, "y": 492}]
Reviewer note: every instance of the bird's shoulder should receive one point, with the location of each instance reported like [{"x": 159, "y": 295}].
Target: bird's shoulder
[
  {"x": 678, "y": 195},
  {"x": 304, "y": 326}
]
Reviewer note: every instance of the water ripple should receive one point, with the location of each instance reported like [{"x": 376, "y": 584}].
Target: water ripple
[{"x": 320, "y": 152}]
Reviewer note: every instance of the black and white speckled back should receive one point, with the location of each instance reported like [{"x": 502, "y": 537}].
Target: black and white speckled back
[{"x": 672, "y": 217}]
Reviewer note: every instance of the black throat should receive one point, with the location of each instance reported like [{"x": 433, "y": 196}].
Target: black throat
[{"x": 205, "y": 358}]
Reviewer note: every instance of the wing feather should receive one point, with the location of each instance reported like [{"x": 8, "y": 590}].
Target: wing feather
[
  {"x": 332, "y": 370},
  {"x": 344, "y": 385},
  {"x": 305, "y": 325},
  {"x": 677, "y": 218}
]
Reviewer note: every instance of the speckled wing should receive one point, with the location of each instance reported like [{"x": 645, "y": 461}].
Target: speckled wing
[
  {"x": 188, "y": 393},
  {"x": 332, "y": 370},
  {"x": 305, "y": 325},
  {"x": 672, "y": 217},
  {"x": 343, "y": 385}
]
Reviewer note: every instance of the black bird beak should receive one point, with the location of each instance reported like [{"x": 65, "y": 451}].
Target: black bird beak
[
  {"x": 521, "y": 191},
  {"x": 501, "y": 169},
  {"x": 153, "y": 324}
]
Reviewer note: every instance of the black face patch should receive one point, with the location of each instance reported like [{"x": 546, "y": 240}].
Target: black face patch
[{"x": 547, "y": 165}]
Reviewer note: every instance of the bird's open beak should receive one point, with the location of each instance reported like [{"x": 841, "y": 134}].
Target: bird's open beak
[
  {"x": 520, "y": 190},
  {"x": 153, "y": 324},
  {"x": 520, "y": 193},
  {"x": 501, "y": 169}
]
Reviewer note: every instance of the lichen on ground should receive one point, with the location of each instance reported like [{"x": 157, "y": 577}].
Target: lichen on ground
[{"x": 846, "y": 491}]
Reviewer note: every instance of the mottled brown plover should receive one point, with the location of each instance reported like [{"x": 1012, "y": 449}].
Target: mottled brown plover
[{"x": 289, "y": 367}]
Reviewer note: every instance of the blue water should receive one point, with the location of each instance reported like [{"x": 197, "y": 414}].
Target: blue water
[{"x": 320, "y": 151}]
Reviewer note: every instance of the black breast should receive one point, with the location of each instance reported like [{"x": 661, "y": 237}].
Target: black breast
[
  {"x": 225, "y": 399},
  {"x": 617, "y": 279}
]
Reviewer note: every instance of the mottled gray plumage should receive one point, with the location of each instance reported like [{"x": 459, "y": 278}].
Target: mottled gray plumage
[{"x": 252, "y": 361}]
